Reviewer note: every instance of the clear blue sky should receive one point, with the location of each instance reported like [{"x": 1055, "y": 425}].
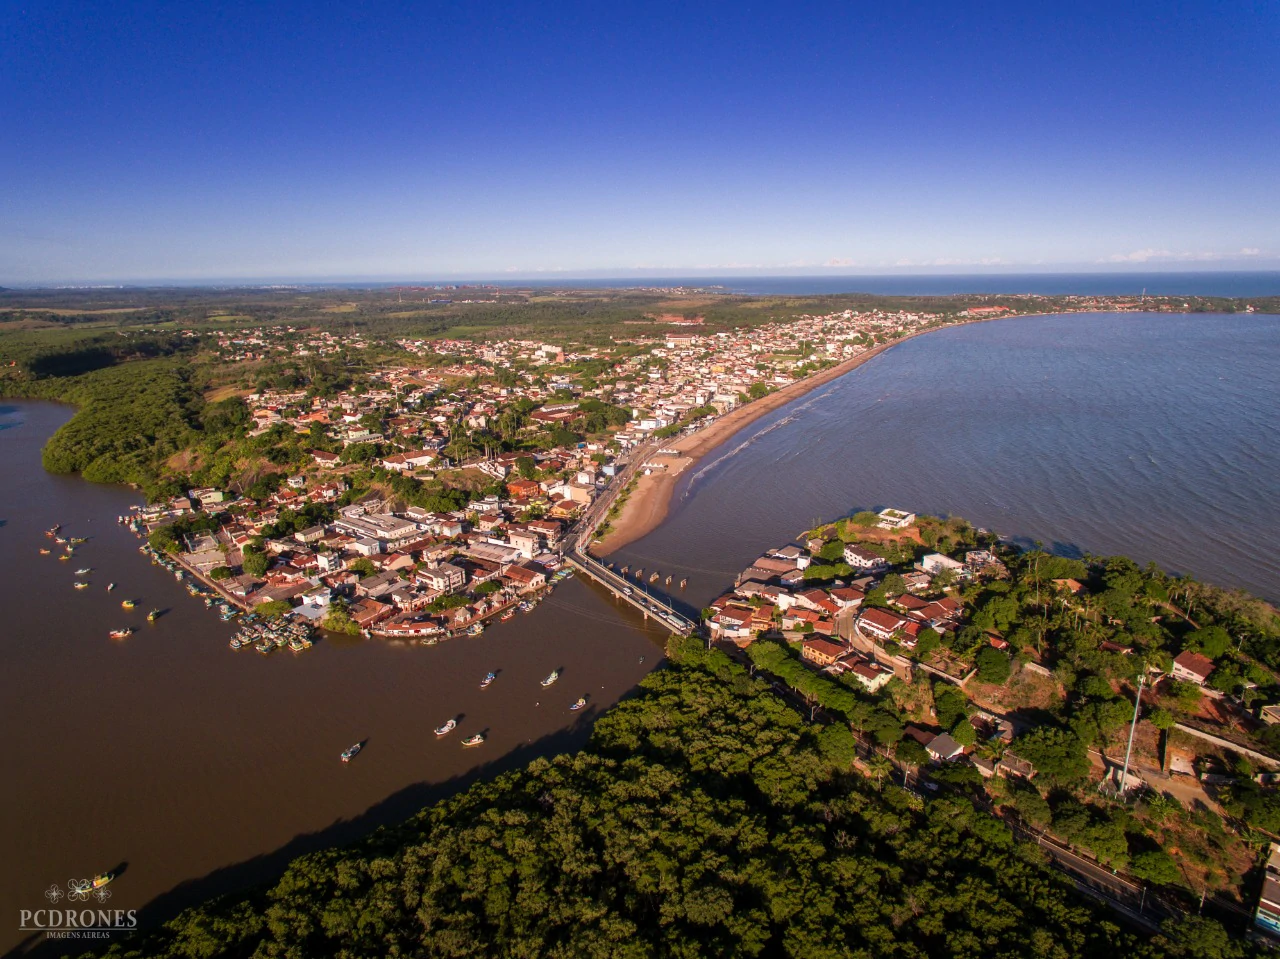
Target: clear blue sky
[{"x": 185, "y": 140}]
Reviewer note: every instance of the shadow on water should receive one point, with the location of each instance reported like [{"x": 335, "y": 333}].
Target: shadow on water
[{"x": 263, "y": 870}]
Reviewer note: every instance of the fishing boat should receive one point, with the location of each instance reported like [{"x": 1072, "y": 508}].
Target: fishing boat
[
  {"x": 667, "y": 582},
  {"x": 83, "y": 571},
  {"x": 64, "y": 557},
  {"x": 447, "y": 728},
  {"x": 488, "y": 680},
  {"x": 475, "y": 740},
  {"x": 475, "y": 629},
  {"x": 653, "y": 578},
  {"x": 78, "y": 540},
  {"x": 110, "y": 587},
  {"x": 555, "y": 674},
  {"x": 351, "y": 751},
  {"x": 53, "y": 530},
  {"x": 128, "y": 604},
  {"x": 121, "y": 633},
  {"x": 80, "y": 585},
  {"x": 508, "y": 614},
  {"x": 582, "y": 701},
  {"x": 684, "y": 583},
  {"x": 235, "y": 642},
  {"x": 153, "y": 616},
  {"x": 45, "y": 552}
]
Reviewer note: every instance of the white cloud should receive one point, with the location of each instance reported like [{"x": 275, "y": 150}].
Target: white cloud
[{"x": 1153, "y": 255}]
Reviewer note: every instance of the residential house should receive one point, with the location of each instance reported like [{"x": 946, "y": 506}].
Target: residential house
[{"x": 1189, "y": 667}]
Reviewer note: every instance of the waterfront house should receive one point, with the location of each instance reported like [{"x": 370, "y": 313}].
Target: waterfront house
[
  {"x": 895, "y": 519},
  {"x": 525, "y": 577}
]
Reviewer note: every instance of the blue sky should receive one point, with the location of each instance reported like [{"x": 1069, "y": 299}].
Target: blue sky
[{"x": 338, "y": 140}]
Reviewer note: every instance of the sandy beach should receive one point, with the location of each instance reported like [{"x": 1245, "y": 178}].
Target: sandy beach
[{"x": 647, "y": 506}]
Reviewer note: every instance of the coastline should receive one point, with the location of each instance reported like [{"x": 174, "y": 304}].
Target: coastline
[{"x": 650, "y": 501}]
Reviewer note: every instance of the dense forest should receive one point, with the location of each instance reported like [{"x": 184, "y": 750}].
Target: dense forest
[{"x": 705, "y": 818}]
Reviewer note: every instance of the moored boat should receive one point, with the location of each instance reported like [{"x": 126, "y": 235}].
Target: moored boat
[
  {"x": 488, "y": 680},
  {"x": 475, "y": 740},
  {"x": 447, "y": 728},
  {"x": 475, "y": 629},
  {"x": 351, "y": 751},
  {"x": 555, "y": 674}
]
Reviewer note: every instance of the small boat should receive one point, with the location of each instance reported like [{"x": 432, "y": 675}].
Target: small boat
[
  {"x": 80, "y": 585},
  {"x": 153, "y": 616},
  {"x": 475, "y": 740},
  {"x": 121, "y": 633},
  {"x": 44, "y": 552},
  {"x": 447, "y": 728},
  {"x": 110, "y": 587},
  {"x": 128, "y": 604},
  {"x": 475, "y": 629},
  {"x": 53, "y": 530},
  {"x": 642, "y": 659},
  {"x": 653, "y": 578},
  {"x": 351, "y": 751},
  {"x": 97, "y": 882},
  {"x": 667, "y": 582},
  {"x": 509, "y": 614},
  {"x": 79, "y": 539},
  {"x": 488, "y": 680},
  {"x": 83, "y": 571},
  {"x": 235, "y": 642},
  {"x": 555, "y": 674},
  {"x": 64, "y": 557},
  {"x": 582, "y": 701},
  {"x": 683, "y": 583}
]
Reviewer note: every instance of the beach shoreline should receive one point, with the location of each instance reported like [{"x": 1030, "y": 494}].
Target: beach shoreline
[{"x": 650, "y": 501}]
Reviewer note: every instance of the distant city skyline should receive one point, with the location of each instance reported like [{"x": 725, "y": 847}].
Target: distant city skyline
[{"x": 150, "y": 143}]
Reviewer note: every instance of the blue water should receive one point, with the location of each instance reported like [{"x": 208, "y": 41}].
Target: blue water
[
  {"x": 1157, "y": 436},
  {"x": 1100, "y": 284}
]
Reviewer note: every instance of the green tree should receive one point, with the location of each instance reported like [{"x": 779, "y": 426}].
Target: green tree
[
  {"x": 254, "y": 563},
  {"x": 993, "y": 665}
]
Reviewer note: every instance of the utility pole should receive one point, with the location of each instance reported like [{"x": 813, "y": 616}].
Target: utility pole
[{"x": 1133, "y": 726}]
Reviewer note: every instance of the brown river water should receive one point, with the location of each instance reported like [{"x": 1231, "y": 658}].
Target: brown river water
[{"x": 202, "y": 769}]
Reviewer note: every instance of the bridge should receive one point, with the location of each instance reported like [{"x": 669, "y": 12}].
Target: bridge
[{"x": 648, "y": 604}]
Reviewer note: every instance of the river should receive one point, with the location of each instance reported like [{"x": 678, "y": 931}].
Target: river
[
  {"x": 204, "y": 769},
  {"x": 1153, "y": 435}
]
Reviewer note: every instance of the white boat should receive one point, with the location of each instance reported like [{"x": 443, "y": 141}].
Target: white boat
[
  {"x": 351, "y": 751},
  {"x": 475, "y": 740},
  {"x": 488, "y": 679},
  {"x": 110, "y": 587},
  {"x": 447, "y": 728},
  {"x": 83, "y": 571},
  {"x": 555, "y": 674},
  {"x": 582, "y": 701}
]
